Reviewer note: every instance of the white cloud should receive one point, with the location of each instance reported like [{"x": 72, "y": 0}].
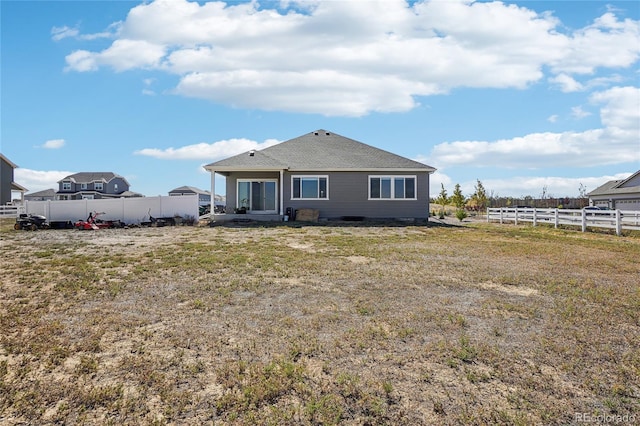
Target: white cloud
[
  {"x": 59, "y": 33},
  {"x": 38, "y": 180},
  {"x": 122, "y": 55},
  {"x": 352, "y": 58},
  {"x": 207, "y": 151},
  {"x": 567, "y": 83},
  {"x": 552, "y": 118},
  {"x": 578, "y": 112},
  {"x": 615, "y": 143},
  {"x": 54, "y": 144}
]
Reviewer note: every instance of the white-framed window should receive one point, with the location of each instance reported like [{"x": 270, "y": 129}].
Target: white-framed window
[
  {"x": 392, "y": 188},
  {"x": 98, "y": 186},
  {"x": 83, "y": 185},
  {"x": 87, "y": 196},
  {"x": 304, "y": 187},
  {"x": 66, "y": 186}
]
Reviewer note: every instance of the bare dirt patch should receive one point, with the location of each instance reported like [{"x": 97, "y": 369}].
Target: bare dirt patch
[{"x": 480, "y": 324}]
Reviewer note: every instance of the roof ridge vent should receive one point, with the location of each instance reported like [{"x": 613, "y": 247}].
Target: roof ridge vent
[
  {"x": 327, "y": 133},
  {"x": 252, "y": 153},
  {"x": 315, "y": 133}
]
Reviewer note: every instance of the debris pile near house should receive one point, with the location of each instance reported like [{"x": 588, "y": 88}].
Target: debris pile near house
[{"x": 307, "y": 215}]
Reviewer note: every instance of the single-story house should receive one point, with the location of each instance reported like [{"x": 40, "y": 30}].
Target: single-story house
[
  {"x": 204, "y": 197},
  {"x": 325, "y": 172},
  {"x": 7, "y": 185},
  {"x": 44, "y": 195},
  {"x": 93, "y": 185},
  {"x": 618, "y": 194}
]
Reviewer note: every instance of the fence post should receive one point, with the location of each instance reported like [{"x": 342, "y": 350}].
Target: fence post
[
  {"x": 501, "y": 215},
  {"x": 584, "y": 220},
  {"x": 535, "y": 217},
  {"x": 555, "y": 217},
  {"x": 516, "y": 216},
  {"x": 618, "y": 223}
]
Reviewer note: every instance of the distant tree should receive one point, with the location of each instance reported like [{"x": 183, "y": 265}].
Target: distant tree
[
  {"x": 458, "y": 199},
  {"x": 479, "y": 198},
  {"x": 442, "y": 199},
  {"x": 583, "y": 199},
  {"x": 582, "y": 190}
]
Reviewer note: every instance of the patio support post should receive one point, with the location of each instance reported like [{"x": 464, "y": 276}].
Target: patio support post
[
  {"x": 212, "y": 206},
  {"x": 282, "y": 193}
]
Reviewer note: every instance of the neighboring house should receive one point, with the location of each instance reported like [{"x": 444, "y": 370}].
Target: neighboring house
[
  {"x": 7, "y": 185},
  {"x": 618, "y": 194},
  {"x": 46, "y": 195},
  {"x": 338, "y": 176},
  {"x": 204, "y": 197},
  {"x": 93, "y": 185}
]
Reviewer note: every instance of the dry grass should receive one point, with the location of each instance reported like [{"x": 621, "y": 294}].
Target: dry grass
[{"x": 318, "y": 325}]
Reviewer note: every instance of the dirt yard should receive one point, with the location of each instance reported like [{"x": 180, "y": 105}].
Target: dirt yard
[{"x": 331, "y": 324}]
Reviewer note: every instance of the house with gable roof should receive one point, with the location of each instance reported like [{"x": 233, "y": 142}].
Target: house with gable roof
[
  {"x": 7, "y": 185},
  {"x": 335, "y": 175},
  {"x": 93, "y": 185},
  {"x": 621, "y": 194}
]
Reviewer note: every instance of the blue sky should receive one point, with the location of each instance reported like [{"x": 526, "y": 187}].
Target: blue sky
[{"x": 522, "y": 95}]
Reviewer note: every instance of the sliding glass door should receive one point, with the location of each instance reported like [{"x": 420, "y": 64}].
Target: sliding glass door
[{"x": 258, "y": 196}]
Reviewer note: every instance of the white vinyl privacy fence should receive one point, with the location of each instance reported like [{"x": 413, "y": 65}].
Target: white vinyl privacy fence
[
  {"x": 584, "y": 218},
  {"x": 128, "y": 210}
]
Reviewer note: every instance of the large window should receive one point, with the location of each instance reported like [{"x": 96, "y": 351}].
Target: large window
[
  {"x": 98, "y": 186},
  {"x": 66, "y": 186},
  {"x": 257, "y": 196},
  {"x": 309, "y": 187},
  {"x": 392, "y": 187}
]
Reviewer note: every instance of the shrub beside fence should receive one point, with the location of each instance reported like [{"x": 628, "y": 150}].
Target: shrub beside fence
[{"x": 584, "y": 218}]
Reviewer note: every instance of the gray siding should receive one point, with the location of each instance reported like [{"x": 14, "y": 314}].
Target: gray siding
[
  {"x": 348, "y": 195},
  {"x": 232, "y": 187},
  {"x": 6, "y": 178},
  {"x": 633, "y": 181}
]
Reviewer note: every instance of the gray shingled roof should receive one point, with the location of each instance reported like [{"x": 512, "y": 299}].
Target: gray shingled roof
[
  {"x": 86, "y": 177},
  {"x": 190, "y": 189},
  {"x": 319, "y": 150},
  {"x": 44, "y": 193},
  {"x": 614, "y": 187}
]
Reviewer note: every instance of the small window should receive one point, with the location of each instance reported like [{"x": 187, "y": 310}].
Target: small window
[
  {"x": 66, "y": 186},
  {"x": 309, "y": 187},
  {"x": 392, "y": 187},
  {"x": 83, "y": 186}
]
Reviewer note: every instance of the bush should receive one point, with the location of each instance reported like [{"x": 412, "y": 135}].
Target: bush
[{"x": 461, "y": 214}]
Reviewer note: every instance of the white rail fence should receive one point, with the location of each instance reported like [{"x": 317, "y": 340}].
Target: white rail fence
[
  {"x": 128, "y": 210},
  {"x": 8, "y": 211},
  {"x": 584, "y": 218}
]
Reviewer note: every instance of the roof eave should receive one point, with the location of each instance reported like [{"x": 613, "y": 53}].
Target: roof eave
[{"x": 320, "y": 169}]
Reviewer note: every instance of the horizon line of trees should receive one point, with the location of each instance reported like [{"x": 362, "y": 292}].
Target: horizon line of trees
[{"x": 480, "y": 201}]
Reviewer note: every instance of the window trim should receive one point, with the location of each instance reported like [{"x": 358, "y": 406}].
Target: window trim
[
  {"x": 318, "y": 177},
  {"x": 393, "y": 187}
]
